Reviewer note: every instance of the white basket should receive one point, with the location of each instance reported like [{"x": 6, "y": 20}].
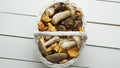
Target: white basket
[{"x": 59, "y": 33}]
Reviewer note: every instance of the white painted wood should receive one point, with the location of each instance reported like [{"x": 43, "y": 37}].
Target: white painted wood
[
  {"x": 93, "y": 57},
  {"x": 31, "y": 7},
  {"x": 102, "y": 35},
  {"x": 114, "y": 0},
  {"x": 19, "y": 48},
  {"x": 5, "y": 63},
  {"x": 96, "y": 57},
  {"x": 99, "y": 11},
  {"x": 17, "y": 25}
]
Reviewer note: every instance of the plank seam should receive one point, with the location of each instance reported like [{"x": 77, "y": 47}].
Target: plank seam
[
  {"x": 19, "y": 14},
  {"x": 109, "y": 1},
  {"x": 118, "y": 25},
  {"x": 102, "y": 46},
  {"x": 16, "y": 36},
  {"x": 85, "y": 44}
]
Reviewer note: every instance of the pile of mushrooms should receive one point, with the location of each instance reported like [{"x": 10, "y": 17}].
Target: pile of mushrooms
[{"x": 60, "y": 17}]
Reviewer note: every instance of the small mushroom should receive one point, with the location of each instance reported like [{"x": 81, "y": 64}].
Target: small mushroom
[
  {"x": 52, "y": 40},
  {"x": 64, "y": 61},
  {"x": 47, "y": 38},
  {"x": 45, "y": 17},
  {"x": 51, "y": 27},
  {"x": 78, "y": 14},
  {"x": 42, "y": 47},
  {"x": 78, "y": 23},
  {"x": 59, "y": 7},
  {"x": 41, "y": 26},
  {"x": 72, "y": 10},
  {"x": 59, "y": 16},
  {"x": 61, "y": 28},
  {"x": 67, "y": 44},
  {"x": 78, "y": 41},
  {"x": 51, "y": 11},
  {"x": 57, "y": 57},
  {"x": 69, "y": 23}
]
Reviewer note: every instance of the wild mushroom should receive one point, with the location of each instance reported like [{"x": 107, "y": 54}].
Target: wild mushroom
[
  {"x": 45, "y": 17},
  {"x": 59, "y": 7},
  {"x": 69, "y": 23},
  {"x": 57, "y": 57},
  {"x": 61, "y": 28},
  {"x": 42, "y": 47},
  {"x": 51, "y": 27},
  {"x": 72, "y": 10},
  {"x": 50, "y": 41},
  {"x": 59, "y": 16},
  {"x": 51, "y": 11},
  {"x": 67, "y": 44},
  {"x": 42, "y": 44},
  {"x": 78, "y": 41}
]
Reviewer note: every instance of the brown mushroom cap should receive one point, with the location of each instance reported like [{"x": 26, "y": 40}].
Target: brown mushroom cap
[{"x": 57, "y": 57}]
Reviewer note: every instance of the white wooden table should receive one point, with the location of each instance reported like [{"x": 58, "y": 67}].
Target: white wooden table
[{"x": 18, "y": 20}]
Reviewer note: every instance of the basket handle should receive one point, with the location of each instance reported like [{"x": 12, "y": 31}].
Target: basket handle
[{"x": 61, "y": 33}]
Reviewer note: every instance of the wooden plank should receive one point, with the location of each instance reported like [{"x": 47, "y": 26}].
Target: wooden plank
[
  {"x": 17, "y": 25},
  {"x": 100, "y": 11},
  {"x": 6, "y": 63},
  {"x": 97, "y": 11},
  {"x": 101, "y": 35},
  {"x": 93, "y": 57},
  {"x": 22, "y": 6},
  {"x": 19, "y": 48},
  {"x": 96, "y": 57}
]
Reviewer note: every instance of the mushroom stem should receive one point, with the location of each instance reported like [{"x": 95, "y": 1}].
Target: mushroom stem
[
  {"x": 42, "y": 46},
  {"x": 51, "y": 11},
  {"x": 52, "y": 40},
  {"x": 78, "y": 41},
  {"x": 59, "y": 16},
  {"x": 72, "y": 10},
  {"x": 68, "y": 44}
]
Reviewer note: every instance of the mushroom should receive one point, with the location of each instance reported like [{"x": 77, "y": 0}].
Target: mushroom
[
  {"x": 67, "y": 44},
  {"x": 57, "y": 57},
  {"x": 78, "y": 41},
  {"x": 52, "y": 40},
  {"x": 69, "y": 23},
  {"x": 51, "y": 27},
  {"x": 59, "y": 7},
  {"x": 42, "y": 46},
  {"x": 46, "y": 17},
  {"x": 72, "y": 10},
  {"x": 59, "y": 16},
  {"x": 61, "y": 28},
  {"x": 51, "y": 11}
]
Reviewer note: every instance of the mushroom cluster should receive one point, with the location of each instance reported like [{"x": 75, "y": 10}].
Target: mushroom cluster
[{"x": 60, "y": 17}]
